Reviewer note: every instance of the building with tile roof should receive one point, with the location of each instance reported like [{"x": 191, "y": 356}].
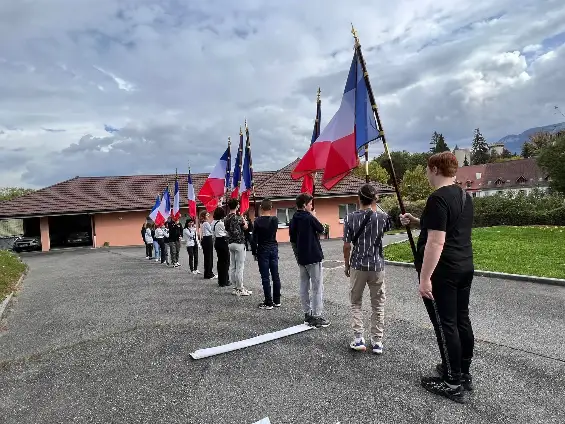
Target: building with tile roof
[{"x": 113, "y": 209}]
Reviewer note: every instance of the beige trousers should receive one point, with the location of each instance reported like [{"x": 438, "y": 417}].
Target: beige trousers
[{"x": 376, "y": 282}]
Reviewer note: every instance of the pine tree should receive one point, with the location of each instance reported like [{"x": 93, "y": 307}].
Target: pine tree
[
  {"x": 465, "y": 162},
  {"x": 456, "y": 147},
  {"x": 438, "y": 144},
  {"x": 479, "y": 150}
]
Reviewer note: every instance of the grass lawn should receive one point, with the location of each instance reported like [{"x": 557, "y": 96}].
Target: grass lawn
[
  {"x": 10, "y": 271},
  {"x": 538, "y": 251},
  {"x": 398, "y": 231}
]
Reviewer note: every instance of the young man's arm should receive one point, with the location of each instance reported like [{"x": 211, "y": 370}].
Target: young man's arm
[
  {"x": 347, "y": 236},
  {"x": 318, "y": 227}
]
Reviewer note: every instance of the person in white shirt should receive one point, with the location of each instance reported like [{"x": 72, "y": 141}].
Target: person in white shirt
[
  {"x": 190, "y": 237},
  {"x": 206, "y": 235},
  {"x": 160, "y": 237},
  {"x": 221, "y": 246}
]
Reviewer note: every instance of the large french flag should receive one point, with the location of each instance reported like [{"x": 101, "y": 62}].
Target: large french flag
[
  {"x": 246, "y": 179},
  {"x": 191, "y": 197},
  {"x": 236, "y": 178},
  {"x": 215, "y": 186},
  {"x": 155, "y": 215},
  {"x": 176, "y": 202},
  {"x": 352, "y": 127}
]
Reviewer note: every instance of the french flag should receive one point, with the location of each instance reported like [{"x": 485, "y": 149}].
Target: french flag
[
  {"x": 215, "y": 186},
  {"x": 237, "y": 168},
  {"x": 308, "y": 181},
  {"x": 176, "y": 202},
  {"x": 191, "y": 197},
  {"x": 155, "y": 214},
  {"x": 350, "y": 130},
  {"x": 247, "y": 178},
  {"x": 165, "y": 206}
]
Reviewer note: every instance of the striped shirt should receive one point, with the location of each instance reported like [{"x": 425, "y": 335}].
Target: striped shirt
[{"x": 367, "y": 252}]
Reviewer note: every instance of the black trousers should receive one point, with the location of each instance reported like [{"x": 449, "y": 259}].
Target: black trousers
[
  {"x": 449, "y": 314},
  {"x": 192, "y": 257},
  {"x": 208, "y": 253},
  {"x": 149, "y": 250},
  {"x": 163, "y": 249},
  {"x": 223, "y": 253}
]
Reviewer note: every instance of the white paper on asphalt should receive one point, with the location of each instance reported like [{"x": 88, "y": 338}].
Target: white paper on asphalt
[
  {"x": 211, "y": 351},
  {"x": 263, "y": 421}
]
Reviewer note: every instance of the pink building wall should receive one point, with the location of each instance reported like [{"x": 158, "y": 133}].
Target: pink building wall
[
  {"x": 124, "y": 229},
  {"x": 44, "y": 229}
]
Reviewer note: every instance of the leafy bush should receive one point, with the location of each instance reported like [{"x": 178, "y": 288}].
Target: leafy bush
[{"x": 537, "y": 208}]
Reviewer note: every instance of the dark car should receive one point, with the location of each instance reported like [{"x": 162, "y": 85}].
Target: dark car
[
  {"x": 79, "y": 238},
  {"x": 27, "y": 244}
]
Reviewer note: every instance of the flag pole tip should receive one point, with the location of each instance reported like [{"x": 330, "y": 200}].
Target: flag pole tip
[
  {"x": 319, "y": 93},
  {"x": 355, "y": 35}
]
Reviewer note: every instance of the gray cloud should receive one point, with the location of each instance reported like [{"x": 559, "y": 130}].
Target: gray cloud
[{"x": 177, "y": 78}]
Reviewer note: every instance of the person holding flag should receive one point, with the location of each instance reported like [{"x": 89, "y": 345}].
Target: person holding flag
[{"x": 308, "y": 183}]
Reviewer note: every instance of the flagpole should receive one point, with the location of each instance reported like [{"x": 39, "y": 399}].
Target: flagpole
[
  {"x": 226, "y": 194},
  {"x": 383, "y": 138},
  {"x": 317, "y": 134},
  {"x": 240, "y": 154},
  {"x": 248, "y": 143}
]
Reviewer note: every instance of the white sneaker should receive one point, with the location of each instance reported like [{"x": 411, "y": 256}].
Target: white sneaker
[
  {"x": 197, "y": 272},
  {"x": 157, "y": 260},
  {"x": 242, "y": 292},
  {"x": 247, "y": 290},
  {"x": 377, "y": 348},
  {"x": 147, "y": 257},
  {"x": 193, "y": 272}
]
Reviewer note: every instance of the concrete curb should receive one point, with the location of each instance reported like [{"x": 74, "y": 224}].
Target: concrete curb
[
  {"x": 502, "y": 275},
  {"x": 8, "y": 298}
]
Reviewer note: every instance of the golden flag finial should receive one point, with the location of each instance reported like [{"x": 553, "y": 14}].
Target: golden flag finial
[
  {"x": 355, "y": 35},
  {"x": 246, "y": 123},
  {"x": 240, "y": 131}
]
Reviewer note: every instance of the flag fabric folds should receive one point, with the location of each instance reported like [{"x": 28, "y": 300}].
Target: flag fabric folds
[
  {"x": 246, "y": 177},
  {"x": 176, "y": 201},
  {"x": 155, "y": 214},
  {"x": 350, "y": 130},
  {"x": 165, "y": 207},
  {"x": 191, "y": 198},
  {"x": 215, "y": 185},
  {"x": 236, "y": 176}
]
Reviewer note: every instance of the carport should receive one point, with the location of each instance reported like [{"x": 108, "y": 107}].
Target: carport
[{"x": 70, "y": 230}]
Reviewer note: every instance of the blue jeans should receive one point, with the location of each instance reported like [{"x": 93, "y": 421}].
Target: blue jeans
[
  {"x": 157, "y": 251},
  {"x": 268, "y": 260}
]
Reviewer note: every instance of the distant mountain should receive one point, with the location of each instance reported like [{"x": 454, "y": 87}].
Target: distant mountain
[{"x": 514, "y": 142}]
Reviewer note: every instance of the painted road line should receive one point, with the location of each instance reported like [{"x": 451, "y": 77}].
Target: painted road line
[{"x": 212, "y": 351}]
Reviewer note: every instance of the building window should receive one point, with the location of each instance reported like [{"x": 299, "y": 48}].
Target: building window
[
  {"x": 474, "y": 194},
  {"x": 285, "y": 215},
  {"x": 346, "y": 209}
]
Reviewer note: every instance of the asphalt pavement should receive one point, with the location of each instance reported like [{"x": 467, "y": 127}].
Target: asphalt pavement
[{"x": 104, "y": 336}]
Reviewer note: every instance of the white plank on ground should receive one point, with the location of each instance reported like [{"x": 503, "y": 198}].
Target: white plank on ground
[
  {"x": 263, "y": 421},
  {"x": 212, "y": 351}
]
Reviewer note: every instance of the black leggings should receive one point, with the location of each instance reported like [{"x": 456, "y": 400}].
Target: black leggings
[
  {"x": 208, "y": 253},
  {"x": 223, "y": 253},
  {"x": 149, "y": 250},
  {"x": 192, "y": 257},
  {"x": 449, "y": 314},
  {"x": 163, "y": 249}
]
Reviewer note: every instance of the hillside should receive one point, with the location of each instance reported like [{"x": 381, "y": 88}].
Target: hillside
[{"x": 515, "y": 142}]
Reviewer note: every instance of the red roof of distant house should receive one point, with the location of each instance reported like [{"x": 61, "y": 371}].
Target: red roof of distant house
[
  {"x": 471, "y": 177},
  {"x": 138, "y": 192}
]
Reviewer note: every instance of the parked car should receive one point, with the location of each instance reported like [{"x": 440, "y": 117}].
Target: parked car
[
  {"x": 27, "y": 244},
  {"x": 79, "y": 238}
]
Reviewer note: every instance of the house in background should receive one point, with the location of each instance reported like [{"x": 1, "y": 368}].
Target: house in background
[
  {"x": 516, "y": 176},
  {"x": 111, "y": 210}
]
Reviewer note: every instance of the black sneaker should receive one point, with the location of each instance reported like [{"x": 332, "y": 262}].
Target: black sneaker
[
  {"x": 277, "y": 305},
  {"x": 265, "y": 306},
  {"x": 308, "y": 319},
  {"x": 320, "y": 322},
  {"x": 437, "y": 386},
  {"x": 466, "y": 379}
]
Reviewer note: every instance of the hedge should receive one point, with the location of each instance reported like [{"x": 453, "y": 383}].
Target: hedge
[{"x": 506, "y": 209}]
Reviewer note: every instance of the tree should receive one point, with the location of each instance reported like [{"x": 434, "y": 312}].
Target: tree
[
  {"x": 438, "y": 144},
  {"x": 479, "y": 150},
  {"x": 402, "y": 161},
  {"x": 551, "y": 158},
  {"x": 536, "y": 142},
  {"x": 415, "y": 185},
  {"x": 465, "y": 162},
  {"x": 376, "y": 172},
  {"x": 456, "y": 147},
  {"x": 9, "y": 193},
  {"x": 494, "y": 157},
  {"x": 506, "y": 154}
]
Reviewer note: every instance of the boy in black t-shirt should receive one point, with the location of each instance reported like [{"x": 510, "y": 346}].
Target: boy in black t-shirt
[
  {"x": 265, "y": 240},
  {"x": 444, "y": 262}
]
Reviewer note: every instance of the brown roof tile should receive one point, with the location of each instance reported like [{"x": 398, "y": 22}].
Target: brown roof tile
[
  {"x": 510, "y": 173},
  {"x": 138, "y": 192},
  {"x": 467, "y": 177}
]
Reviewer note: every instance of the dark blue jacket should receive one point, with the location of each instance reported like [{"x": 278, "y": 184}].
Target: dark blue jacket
[{"x": 305, "y": 232}]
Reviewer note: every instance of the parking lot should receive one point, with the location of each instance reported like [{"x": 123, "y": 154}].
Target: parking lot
[{"x": 104, "y": 336}]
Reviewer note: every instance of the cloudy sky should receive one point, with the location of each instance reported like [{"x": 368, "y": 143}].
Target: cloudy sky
[{"x": 114, "y": 87}]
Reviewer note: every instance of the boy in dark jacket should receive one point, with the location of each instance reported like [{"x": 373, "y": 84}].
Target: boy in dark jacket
[
  {"x": 265, "y": 241},
  {"x": 305, "y": 232}
]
